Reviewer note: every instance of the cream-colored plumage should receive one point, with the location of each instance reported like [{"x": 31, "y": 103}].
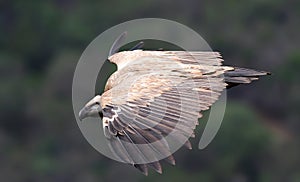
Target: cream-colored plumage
[
  {"x": 151, "y": 71},
  {"x": 155, "y": 94}
]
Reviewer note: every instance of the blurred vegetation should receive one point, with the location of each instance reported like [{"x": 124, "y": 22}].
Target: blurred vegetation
[{"x": 41, "y": 42}]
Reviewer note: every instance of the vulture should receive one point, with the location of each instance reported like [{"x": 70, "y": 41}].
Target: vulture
[{"x": 156, "y": 98}]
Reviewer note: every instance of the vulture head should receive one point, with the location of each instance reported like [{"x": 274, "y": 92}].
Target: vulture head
[{"x": 91, "y": 109}]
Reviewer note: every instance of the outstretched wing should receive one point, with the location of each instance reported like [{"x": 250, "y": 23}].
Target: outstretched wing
[{"x": 152, "y": 103}]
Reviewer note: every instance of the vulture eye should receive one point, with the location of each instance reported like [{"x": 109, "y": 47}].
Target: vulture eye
[
  {"x": 101, "y": 114},
  {"x": 98, "y": 103}
]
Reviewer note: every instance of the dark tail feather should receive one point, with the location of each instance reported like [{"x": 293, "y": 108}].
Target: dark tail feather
[{"x": 241, "y": 76}]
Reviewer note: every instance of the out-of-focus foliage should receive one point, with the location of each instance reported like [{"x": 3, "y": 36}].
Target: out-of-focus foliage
[{"x": 41, "y": 42}]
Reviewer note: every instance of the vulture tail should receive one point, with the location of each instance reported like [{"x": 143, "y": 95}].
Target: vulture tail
[{"x": 241, "y": 76}]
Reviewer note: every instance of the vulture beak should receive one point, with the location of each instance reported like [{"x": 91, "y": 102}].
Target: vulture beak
[
  {"x": 83, "y": 113},
  {"x": 89, "y": 111}
]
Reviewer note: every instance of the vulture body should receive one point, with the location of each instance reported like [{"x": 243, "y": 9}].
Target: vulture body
[{"x": 159, "y": 94}]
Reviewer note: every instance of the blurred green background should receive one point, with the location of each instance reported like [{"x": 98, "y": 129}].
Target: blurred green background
[{"x": 41, "y": 42}]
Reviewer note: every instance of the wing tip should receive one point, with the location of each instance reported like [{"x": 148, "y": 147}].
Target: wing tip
[
  {"x": 156, "y": 166},
  {"x": 142, "y": 168}
]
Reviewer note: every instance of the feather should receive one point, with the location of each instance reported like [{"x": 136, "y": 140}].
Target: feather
[{"x": 161, "y": 93}]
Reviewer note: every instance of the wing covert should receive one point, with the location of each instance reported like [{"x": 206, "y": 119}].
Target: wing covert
[{"x": 156, "y": 100}]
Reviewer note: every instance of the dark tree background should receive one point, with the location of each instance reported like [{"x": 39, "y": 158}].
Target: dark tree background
[{"x": 41, "y": 42}]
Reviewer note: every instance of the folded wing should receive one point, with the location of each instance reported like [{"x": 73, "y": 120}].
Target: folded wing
[{"x": 151, "y": 105}]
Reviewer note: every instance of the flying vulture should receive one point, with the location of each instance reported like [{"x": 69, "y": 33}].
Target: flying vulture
[{"x": 158, "y": 94}]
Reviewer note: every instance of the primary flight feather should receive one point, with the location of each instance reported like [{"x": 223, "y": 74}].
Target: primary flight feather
[{"x": 159, "y": 94}]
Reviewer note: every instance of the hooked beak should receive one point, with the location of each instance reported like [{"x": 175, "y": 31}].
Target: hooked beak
[
  {"x": 89, "y": 111},
  {"x": 83, "y": 113}
]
